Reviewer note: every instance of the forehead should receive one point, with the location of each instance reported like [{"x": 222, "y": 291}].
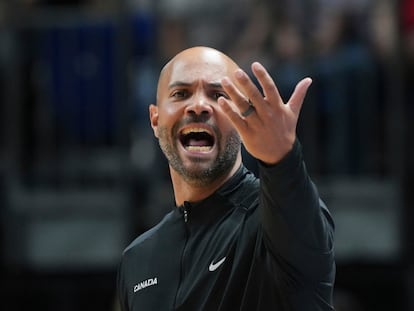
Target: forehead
[{"x": 208, "y": 65}]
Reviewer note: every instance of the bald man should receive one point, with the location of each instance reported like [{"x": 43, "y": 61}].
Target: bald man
[{"x": 231, "y": 241}]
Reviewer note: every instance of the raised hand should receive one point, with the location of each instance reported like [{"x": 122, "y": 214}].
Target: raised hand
[{"x": 267, "y": 125}]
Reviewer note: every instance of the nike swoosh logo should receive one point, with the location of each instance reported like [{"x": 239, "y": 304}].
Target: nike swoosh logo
[{"x": 213, "y": 266}]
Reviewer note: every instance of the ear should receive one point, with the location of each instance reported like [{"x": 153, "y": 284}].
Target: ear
[{"x": 153, "y": 111}]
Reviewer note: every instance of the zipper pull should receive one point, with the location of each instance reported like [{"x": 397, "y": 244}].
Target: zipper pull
[{"x": 186, "y": 207}]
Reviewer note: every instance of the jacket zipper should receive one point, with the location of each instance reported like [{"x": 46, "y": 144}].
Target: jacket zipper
[{"x": 185, "y": 208}]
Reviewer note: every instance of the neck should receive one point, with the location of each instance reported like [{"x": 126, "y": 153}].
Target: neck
[{"x": 186, "y": 191}]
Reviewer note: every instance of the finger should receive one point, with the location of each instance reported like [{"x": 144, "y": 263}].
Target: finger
[
  {"x": 270, "y": 90},
  {"x": 240, "y": 100},
  {"x": 232, "y": 115},
  {"x": 296, "y": 100},
  {"x": 250, "y": 90}
]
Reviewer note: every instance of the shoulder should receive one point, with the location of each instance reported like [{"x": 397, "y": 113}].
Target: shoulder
[
  {"x": 149, "y": 236},
  {"x": 244, "y": 192}
]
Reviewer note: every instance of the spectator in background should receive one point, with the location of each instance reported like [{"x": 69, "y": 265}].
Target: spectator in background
[{"x": 346, "y": 74}]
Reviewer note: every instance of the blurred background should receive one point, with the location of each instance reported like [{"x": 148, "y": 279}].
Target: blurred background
[{"x": 81, "y": 174}]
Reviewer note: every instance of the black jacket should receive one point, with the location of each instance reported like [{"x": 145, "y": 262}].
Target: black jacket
[{"x": 252, "y": 245}]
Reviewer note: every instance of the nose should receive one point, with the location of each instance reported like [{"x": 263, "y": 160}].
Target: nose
[{"x": 199, "y": 105}]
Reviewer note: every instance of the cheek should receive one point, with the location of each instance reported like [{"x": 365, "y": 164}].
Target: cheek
[
  {"x": 168, "y": 122},
  {"x": 164, "y": 121},
  {"x": 228, "y": 131},
  {"x": 225, "y": 124},
  {"x": 169, "y": 114}
]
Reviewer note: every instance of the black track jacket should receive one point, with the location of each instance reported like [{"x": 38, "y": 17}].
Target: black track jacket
[{"x": 252, "y": 245}]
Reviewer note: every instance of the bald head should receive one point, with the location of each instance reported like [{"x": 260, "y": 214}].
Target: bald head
[{"x": 197, "y": 61}]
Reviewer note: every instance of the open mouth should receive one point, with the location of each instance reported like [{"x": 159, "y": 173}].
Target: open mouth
[{"x": 197, "y": 139}]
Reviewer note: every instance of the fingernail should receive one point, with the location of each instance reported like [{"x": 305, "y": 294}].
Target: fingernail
[
  {"x": 225, "y": 82},
  {"x": 239, "y": 74},
  {"x": 257, "y": 66}
]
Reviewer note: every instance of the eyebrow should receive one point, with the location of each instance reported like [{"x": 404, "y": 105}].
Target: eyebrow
[
  {"x": 178, "y": 83},
  {"x": 187, "y": 84},
  {"x": 216, "y": 85}
]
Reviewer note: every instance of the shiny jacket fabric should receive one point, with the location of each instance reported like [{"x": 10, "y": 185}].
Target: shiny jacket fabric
[{"x": 253, "y": 245}]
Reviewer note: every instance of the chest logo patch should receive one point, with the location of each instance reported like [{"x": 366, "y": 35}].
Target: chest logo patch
[
  {"x": 214, "y": 265},
  {"x": 144, "y": 284}
]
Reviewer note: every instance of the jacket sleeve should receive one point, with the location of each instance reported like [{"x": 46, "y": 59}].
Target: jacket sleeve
[{"x": 298, "y": 228}]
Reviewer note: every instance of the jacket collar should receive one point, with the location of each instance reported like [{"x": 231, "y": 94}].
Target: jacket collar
[{"x": 220, "y": 202}]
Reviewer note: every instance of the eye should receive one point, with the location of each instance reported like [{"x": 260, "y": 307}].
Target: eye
[
  {"x": 178, "y": 94},
  {"x": 216, "y": 95}
]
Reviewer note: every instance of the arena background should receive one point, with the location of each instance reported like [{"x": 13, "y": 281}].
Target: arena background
[{"x": 81, "y": 174}]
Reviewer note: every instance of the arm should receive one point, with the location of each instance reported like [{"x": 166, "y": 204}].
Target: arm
[
  {"x": 298, "y": 230},
  {"x": 269, "y": 134},
  {"x": 297, "y": 224},
  {"x": 298, "y": 233}
]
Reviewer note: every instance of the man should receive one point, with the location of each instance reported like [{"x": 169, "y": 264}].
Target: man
[{"x": 232, "y": 242}]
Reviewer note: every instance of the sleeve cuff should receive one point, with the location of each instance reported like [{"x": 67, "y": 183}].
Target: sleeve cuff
[{"x": 291, "y": 160}]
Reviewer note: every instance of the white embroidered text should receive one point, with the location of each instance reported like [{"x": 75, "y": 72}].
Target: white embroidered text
[{"x": 145, "y": 284}]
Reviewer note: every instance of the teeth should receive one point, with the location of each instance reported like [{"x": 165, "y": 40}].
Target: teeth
[
  {"x": 195, "y": 130},
  {"x": 198, "y": 148}
]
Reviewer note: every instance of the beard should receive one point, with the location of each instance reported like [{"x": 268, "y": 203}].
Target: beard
[{"x": 198, "y": 174}]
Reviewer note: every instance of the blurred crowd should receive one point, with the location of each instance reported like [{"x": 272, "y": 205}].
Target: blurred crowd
[{"x": 356, "y": 52}]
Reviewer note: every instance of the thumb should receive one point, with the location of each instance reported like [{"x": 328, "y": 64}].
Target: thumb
[{"x": 296, "y": 100}]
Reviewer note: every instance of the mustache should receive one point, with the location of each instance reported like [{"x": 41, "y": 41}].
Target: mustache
[{"x": 195, "y": 118}]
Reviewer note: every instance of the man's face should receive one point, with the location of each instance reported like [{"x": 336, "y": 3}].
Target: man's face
[{"x": 198, "y": 140}]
